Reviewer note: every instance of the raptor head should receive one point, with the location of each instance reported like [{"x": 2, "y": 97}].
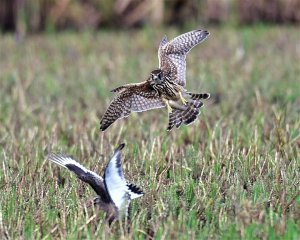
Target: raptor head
[{"x": 156, "y": 77}]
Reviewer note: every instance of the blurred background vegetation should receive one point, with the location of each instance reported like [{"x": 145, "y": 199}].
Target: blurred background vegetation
[{"x": 30, "y": 16}]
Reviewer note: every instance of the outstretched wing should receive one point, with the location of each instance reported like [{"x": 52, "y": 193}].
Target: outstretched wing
[
  {"x": 185, "y": 42},
  {"x": 116, "y": 183},
  {"x": 93, "y": 179},
  {"x": 132, "y": 97},
  {"x": 174, "y": 53}
]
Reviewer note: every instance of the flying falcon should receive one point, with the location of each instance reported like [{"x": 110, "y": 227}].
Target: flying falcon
[
  {"x": 165, "y": 87},
  {"x": 114, "y": 193}
]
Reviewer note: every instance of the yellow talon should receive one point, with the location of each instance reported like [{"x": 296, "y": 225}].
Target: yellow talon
[{"x": 182, "y": 99}]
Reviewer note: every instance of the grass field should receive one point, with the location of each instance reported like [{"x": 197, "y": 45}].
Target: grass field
[{"x": 234, "y": 173}]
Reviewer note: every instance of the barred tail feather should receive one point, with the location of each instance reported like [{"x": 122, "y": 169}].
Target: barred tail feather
[
  {"x": 199, "y": 96},
  {"x": 187, "y": 116}
]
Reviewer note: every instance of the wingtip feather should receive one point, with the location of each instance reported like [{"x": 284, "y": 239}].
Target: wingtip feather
[
  {"x": 206, "y": 95},
  {"x": 57, "y": 158},
  {"x": 203, "y": 31},
  {"x": 113, "y": 90},
  {"x": 120, "y": 147},
  {"x": 103, "y": 127}
]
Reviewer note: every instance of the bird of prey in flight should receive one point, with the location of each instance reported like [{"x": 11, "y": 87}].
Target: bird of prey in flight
[{"x": 165, "y": 87}]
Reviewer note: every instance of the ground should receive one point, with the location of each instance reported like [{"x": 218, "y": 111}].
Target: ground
[{"x": 233, "y": 173}]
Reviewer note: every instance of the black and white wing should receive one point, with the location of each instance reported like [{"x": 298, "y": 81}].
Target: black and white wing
[
  {"x": 93, "y": 179},
  {"x": 120, "y": 192},
  {"x": 174, "y": 52}
]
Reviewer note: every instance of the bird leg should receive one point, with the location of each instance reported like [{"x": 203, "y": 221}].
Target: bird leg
[
  {"x": 177, "y": 105},
  {"x": 168, "y": 106},
  {"x": 182, "y": 99}
]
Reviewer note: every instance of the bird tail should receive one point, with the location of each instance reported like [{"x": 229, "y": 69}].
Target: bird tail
[
  {"x": 199, "y": 96},
  {"x": 190, "y": 113}
]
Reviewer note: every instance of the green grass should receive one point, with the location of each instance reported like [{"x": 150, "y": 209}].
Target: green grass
[{"x": 234, "y": 173}]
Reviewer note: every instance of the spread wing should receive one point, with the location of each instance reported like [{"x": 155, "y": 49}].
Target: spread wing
[
  {"x": 119, "y": 190},
  {"x": 93, "y": 179},
  {"x": 132, "y": 97},
  {"x": 173, "y": 54}
]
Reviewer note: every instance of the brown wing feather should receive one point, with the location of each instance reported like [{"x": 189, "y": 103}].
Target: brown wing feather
[
  {"x": 185, "y": 42},
  {"x": 174, "y": 53},
  {"x": 133, "y": 97}
]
